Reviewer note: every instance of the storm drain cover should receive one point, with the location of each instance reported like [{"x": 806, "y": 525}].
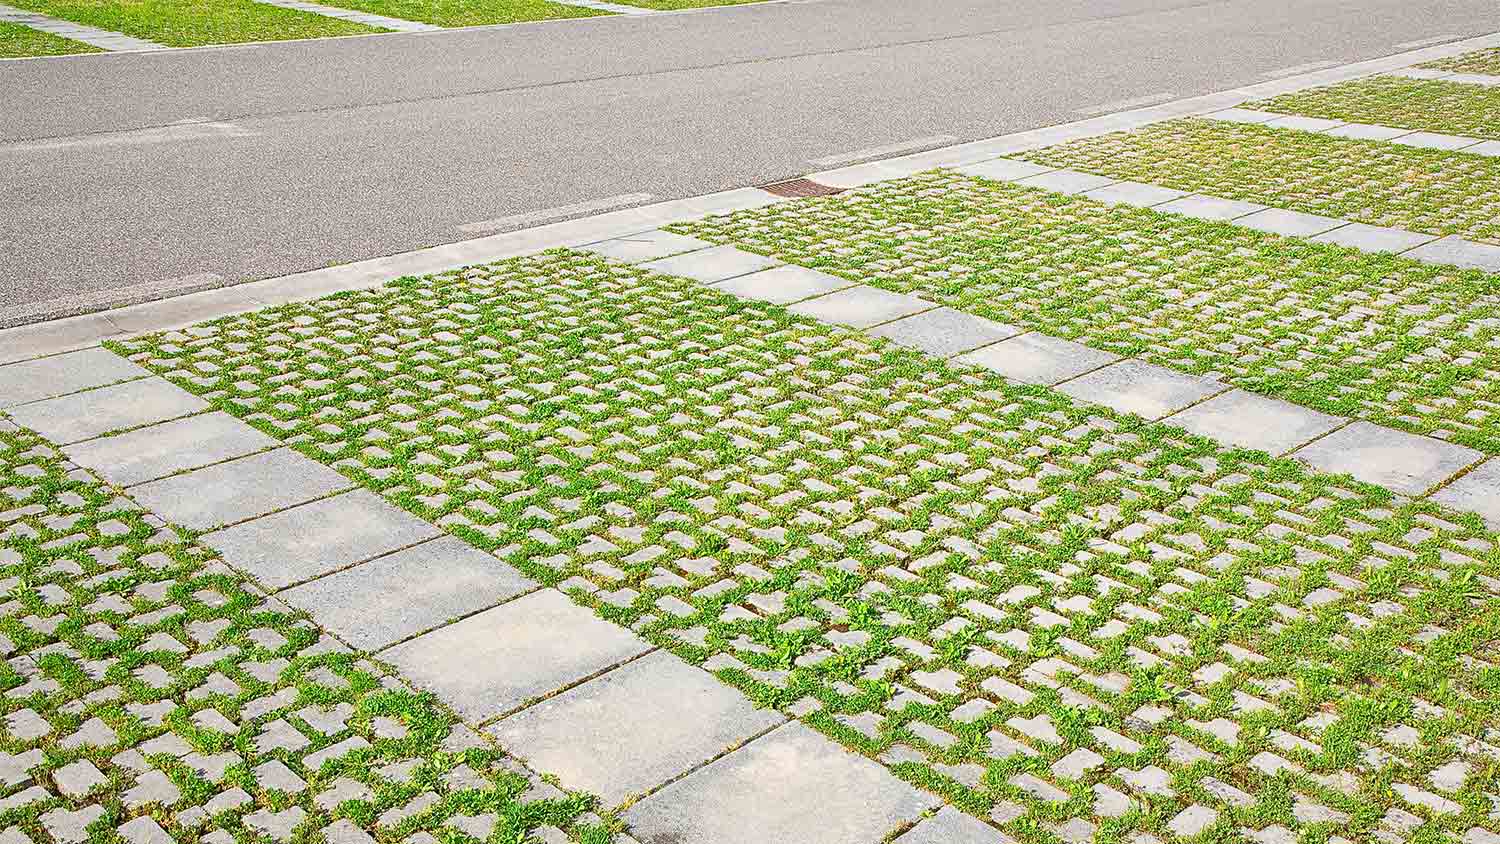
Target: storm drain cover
[{"x": 801, "y": 187}]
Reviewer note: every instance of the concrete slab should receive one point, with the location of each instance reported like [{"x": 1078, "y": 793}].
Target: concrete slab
[
  {"x": 316, "y": 538},
  {"x": 861, "y": 306},
  {"x": 783, "y": 285},
  {"x": 1246, "y": 420},
  {"x": 1138, "y": 194},
  {"x": 950, "y": 826},
  {"x": 1367, "y": 132},
  {"x": 1490, "y": 148},
  {"x": 495, "y": 662},
  {"x": 146, "y": 454},
  {"x": 391, "y": 598},
  {"x": 629, "y": 731},
  {"x": 1476, "y": 492},
  {"x": 1004, "y": 169},
  {"x": 240, "y": 489},
  {"x": 1241, "y": 115},
  {"x": 1211, "y": 207},
  {"x": 1290, "y": 223},
  {"x": 1406, "y": 463},
  {"x": 1374, "y": 238},
  {"x": 85, "y": 415},
  {"x": 1435, "y": 140},
  {"x": 945, "y": 332},
  {"x": 647, "y": 246},
  {"x": 1458, "y": 252},
  {"x": 713, "y": 264},
  {"x": 1066, "y": 181},
  {"x": 59, "y": 375},
  {"x": 1038, "y": 359},
  {"x": 1149, "y": 391},
  {"x": 791, "y": 785},
  {"x": 1302, "y": 124}
]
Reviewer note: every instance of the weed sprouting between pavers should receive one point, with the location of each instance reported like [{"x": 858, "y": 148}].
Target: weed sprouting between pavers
[
  {"x": 150, "y": 691},
  {"x": 1076, "y": 624},
  {"x": 1452, "y": 108},
  {"x": 1393, "y": 341},
  {"x": 1374, "y": 182},
  {"x": 1481, "y": 61}
]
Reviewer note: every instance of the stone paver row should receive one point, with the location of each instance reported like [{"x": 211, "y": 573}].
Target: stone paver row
[
  {"x": 354, "y": 15},
  {"x": 102, "y": 38},
  {"x": 1448, "y": 76},
  {"x": 1366, "y": 131}
]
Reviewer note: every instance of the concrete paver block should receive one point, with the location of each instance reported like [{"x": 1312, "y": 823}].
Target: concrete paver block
[
  {"x": 711, "y": 265},
  {"x": 950, "y": 826},
  {"x": 59, "y": 375},
  {"x": 783, "y": 285},
  {"x": 1066, "y": 181},
  {"x": 1435, "y": 140},
  {"x": 1246, "y": 420},
  {"x": 945, "y": 332},
  {"x": 80, "y": 416},
  {"x": 391, "y": 598},
  {"x": 1406, "y": 463},
  {"x": 1038, "y": 359},
  {"x": 1241, "y": 115},
  {"x": 1138, "y": 194},
  {"x": 146, "y": 454},
  {"x": 1149, "y": 391},
  {"x": 239, "y": 489},
  {"x": 1290, "y": 223},
  {"x": 1459, "y": 252},
  {"x": 861, "y": 306},
  {"x": 632, "y": 729},
  {"x": 791, "y": 785},
  {"x": 1302, "y": 123},
  {"x": 1367, "y": 132},
  {"x": 316, "y": 538},
  {"x": 1004, "y": 169},
  {"x": 1490, "y": 148},
  {"x": 492, "y": 663},
  {"x": 1476, "y": 492},
  {"x": 647, "y": 246},
  {"x": 1374, "y": 238},
  {"x": 1211, "y": 207}
]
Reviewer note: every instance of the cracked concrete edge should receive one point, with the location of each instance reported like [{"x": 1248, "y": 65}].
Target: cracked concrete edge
[{"x": 77, "y": 332}]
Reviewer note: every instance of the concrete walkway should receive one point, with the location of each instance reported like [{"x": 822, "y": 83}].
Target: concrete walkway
[{"x": 93, "y": 36}]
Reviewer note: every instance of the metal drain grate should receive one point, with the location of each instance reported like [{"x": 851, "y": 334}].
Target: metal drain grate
[{"x": 800, "y": 187}]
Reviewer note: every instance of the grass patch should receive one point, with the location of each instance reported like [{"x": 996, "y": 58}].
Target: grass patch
[
  {"x": 469, "y": 12},
  {"x": 1483, "y": 61},
  {"x": 1427, "y": 105},
  {"x": 190, "y": 23},
  {"x": 17, "y": 41}
]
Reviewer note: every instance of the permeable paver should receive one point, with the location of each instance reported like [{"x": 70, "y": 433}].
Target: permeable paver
[{"x": 1433, "y": 105}]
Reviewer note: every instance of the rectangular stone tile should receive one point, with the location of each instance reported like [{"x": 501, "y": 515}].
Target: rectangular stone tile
[
  {"x": 1302, "y": 123},
  {"x": 647, "y": 246},
  {"x": 1246, "y": 420},
  {"x": 950, "y": 826},
  {"x": 316, "y": 538},
  {"x": 1138, "y": 194},
  {"x": 1211, "y": 207},
  {"x": 861, "y": 307},
  {"x": 632, "y": 729},
  {"x": 1290, "y": 223},
  {"x": 1038, "y": 359},
  {"x": 1004, "y": 169},
  {"x": 1149, "y": 391},
  {"x": 1490, "y": 148},
  {"x": 783, "y": 285},
  {"x": 945, "y": 332},
  {"x": 792, "y": 785},
  {"x": 711, "y": 265},
  {"x": 146, "y": 454},
  {"x": 1241, "y": 115},
  {"x": 1066, "y": 181},
  {"x": 81, "y": 416},
  {"x": 59, "y": 335},
  {"x": 492, "y": 663},
  {"x": 59, "y": 375},
  {"x": 1367, "y": 132},
  {"x": 1476, "y": 492},
  {"x": 1374, "y": 238},
  {"x": 394, "y": 597},
  {"x": 1434, "y": 140},
  {"x": 1406, "y": 463},
  {"x": 240, "y": 489},
  {"x": 1459, "y": 252}
]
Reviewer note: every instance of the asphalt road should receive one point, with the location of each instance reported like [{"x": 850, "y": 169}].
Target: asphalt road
[{"x": 132, "y": 175}]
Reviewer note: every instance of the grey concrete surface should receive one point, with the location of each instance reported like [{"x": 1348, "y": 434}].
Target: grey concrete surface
[{"x": 352, "y": 148}]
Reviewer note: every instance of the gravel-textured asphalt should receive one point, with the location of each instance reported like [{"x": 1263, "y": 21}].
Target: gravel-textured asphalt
[{"x": 133, "y": 174}]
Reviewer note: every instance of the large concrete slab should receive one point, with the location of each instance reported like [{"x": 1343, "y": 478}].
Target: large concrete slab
[
  {"x": 1211, "y": 207},
  {"x": 316, "y": 538},
  {"x": 81, "y": 416},
  {"x": 861, "y": 306},
  {"x": 1476, "y": 492},
  {"x": 793, "y": 785},
  {"x": 711, "y": 265},
  {"x": 1407, "y": 463},
  {"x": 146, "y": 454},
  {"x": 950, "y": 826},
  {"x": 391, "y": 598},
  {"x": 1459, "y": 252},
  {"x": 495, "y": 662},
  {"x": 629, "y": 731},
  {"x": 1004, "y": 169},
  {"x": 59, "y": 375},
  {"x": 1146, "y": 390},
  {"x": 945, "y": 332},
  {"x": 1138, "y": 194},
  {"x": 1246, "y": 420},
  {"x": 647, "y": 246},
  {"x": 240, "y": 489},
  {"x": 1290, "y": 223},
  {"x": 1374, "y": 238},
  {"x": 1039, "y": 359},
  {"x": 783, "y": 285},
  {"x": 1066, "y": 181}
]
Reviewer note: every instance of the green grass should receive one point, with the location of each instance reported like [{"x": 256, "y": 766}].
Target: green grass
[
  {"x": 17, "y": 41},
  {"x": 1373, "y": 182},
  {"x": 966, "y": 579},
  {"x": 468, "y": 12},
  {"x": 1484, "y": 61},
  {"x": 1427, "y": 105},
  {"x": 190, "y": 23}
]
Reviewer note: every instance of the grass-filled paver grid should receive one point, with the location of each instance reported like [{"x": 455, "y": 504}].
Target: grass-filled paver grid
[
  {"x": 1374, "y": 182},
  {"x": 17, "y": 41},
  {"x": 1482, "y": 61},
  {"x": 191, "y": 23},
  {"x": 1071, "y": 623},
  {"x": 1430, "y": 105},
  {"x": 1376, "y": 337},
  {"x": 467, "y": 12},
  {"x": 148, "y": 692}
]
